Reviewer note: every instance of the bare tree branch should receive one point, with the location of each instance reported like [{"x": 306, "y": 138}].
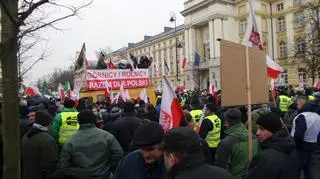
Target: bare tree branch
[{"x": 24, "y": 15}]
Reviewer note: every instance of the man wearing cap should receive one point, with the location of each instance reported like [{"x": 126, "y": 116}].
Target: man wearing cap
[
  {"x": 147, "y": 162},
  {"x": 92, "y": 151},
  {"x": 232, "y": 152},
  {"x": 278, "y": 158},
  {"x": 40, "y": 152},
  {"x": 65, "y": 124},
  {"x": 210, "y": 128},
  {"x": 184, "y": 159}
]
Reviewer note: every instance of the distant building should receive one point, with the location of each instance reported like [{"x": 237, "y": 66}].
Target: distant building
[{"x": 282, "y": 25}]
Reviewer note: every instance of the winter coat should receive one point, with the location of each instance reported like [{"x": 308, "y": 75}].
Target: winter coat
[
  {"x": 40, "y": 154},
  {"x": 92, "y": 151},
  {"x": 57, "y": 122},
  {"x": 124, "y": 128},
  {"x": 232, "y": 152},
  {"x": 132, "y": 166},
  {"x": 195, "y": 167},
  {"x": 277, "y": 160}
]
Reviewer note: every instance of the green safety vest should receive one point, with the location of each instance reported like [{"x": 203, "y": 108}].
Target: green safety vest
[
  {"x": 284, "y": 103},
  {"x": 196, "y": 115},
  {"x": 213, "y": 136},
  {"x": 69, "y": 126}
]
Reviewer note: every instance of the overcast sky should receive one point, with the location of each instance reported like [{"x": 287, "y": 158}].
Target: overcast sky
[{"x": 105, "y": 23}]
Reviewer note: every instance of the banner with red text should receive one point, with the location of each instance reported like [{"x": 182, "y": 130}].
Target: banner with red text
[{"x": 113, "y": 78}]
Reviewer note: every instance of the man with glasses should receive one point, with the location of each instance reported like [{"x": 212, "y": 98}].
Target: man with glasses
[{"x": 146, "y": 162}]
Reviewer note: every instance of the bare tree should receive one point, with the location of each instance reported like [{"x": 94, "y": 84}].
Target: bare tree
[
  {"x": 22, "y": 20},
  {"x": 307, "y": 47}
]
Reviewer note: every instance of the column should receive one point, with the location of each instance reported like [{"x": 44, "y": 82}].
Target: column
[
  {"x": 211, "y": 38},
  {"x": 157, "y": 59},
  {"x": 217, "y": 34},
  {"x": 170, "y": 59},
  {"x": 192, "y": 43},
  {"x": 186, "y": 44},
  {"x": 162, "y": 62}
]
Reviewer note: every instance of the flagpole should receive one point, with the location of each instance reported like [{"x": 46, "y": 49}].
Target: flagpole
[{"x": 249, "y": 105}]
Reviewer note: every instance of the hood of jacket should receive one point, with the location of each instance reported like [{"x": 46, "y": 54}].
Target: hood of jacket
[
  {"x": 280, "y": 141},
  {"x": 190, "y": 161},
  {"x": 239, "y": 131}
]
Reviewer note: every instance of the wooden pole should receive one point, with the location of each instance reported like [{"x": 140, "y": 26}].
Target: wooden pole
[{"x": 250, "y": 154}]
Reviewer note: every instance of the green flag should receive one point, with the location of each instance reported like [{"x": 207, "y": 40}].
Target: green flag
[{"x": 44, "y": 90}]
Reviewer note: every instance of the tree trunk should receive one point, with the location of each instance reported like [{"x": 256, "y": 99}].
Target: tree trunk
[{"x": 8, "y": 51}]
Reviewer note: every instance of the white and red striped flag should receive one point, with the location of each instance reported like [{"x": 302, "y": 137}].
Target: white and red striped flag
[
  {"x": 171, "y": 111},
  {"x": 252, "y": 39}
]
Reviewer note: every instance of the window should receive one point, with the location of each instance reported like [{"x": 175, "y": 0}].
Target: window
[
  {"x": 280, "y": 7},
  {"x": 283, "y": 49},
  {"x": 243, "y": 26},
  {"x": 283, "y": 80},
  {"x": 299, "y": 19},
  {"x": 302, "y": 76},
  {"x": 206, "y": 47},
  {"x": 301, "y": 46},
  {"x": 281, "y": 24}
]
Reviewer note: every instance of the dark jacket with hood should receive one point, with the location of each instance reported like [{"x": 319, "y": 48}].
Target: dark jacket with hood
[
  {"x": 195, "y": 167},
  {"x": 40, "y": 154},
  {"x": 277, "y": 160},
  {"x": 232, "y": 152},
  {"x": 132, "y": 166},
  {"x": 124, "y": 128},
  {"x": 301, "y": 128}
]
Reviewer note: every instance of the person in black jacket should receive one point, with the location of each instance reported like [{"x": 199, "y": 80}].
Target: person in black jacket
[
  {"x": 306, "y": 133},
  {"x": 184, "y": 159},
  {"x": 146, "y": 162},
  {"x": 124, "y": 128},
  {"x": 278, "y": 158}
]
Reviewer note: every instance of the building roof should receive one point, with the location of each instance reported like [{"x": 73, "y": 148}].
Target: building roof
[{"x": 166, "y": 32}]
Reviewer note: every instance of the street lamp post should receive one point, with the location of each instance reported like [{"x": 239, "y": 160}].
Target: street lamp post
[{"x": 173, "y": 19}]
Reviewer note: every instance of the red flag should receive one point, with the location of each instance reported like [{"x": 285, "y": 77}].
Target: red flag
[
  {"x": 171, "y": 111},
  {"x": 184, "y": 63},
  {"x": 62, "y": 95},
  {"x": 111, "y": 65},
  {"x": 31, "y": 91},
  {"x": 106, "y": 94},
  {"x": 252, "y": 39}
]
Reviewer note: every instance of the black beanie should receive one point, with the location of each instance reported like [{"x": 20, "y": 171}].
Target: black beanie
[
  {"x": 182, "y": 139},
  {"x": 232, "y": 115},
  {"x": 43, "y": 118},
  {"x": 148, "y": 134},
  {"x": 86, "y": 116},
  {"x": 270, "y": 121},
  {"x": 68, "y": 103}
]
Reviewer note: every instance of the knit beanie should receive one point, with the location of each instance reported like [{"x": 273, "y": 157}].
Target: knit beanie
[
  {"x": 86, "y": 116},
  {"x": 233, "y": 115},
  {"x": 43, "y": 118},
  {"x": 148, "y": 134},
  {"x": 270, "y": 121}
]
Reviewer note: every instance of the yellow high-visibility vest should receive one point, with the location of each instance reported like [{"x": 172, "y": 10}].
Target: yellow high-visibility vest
[
  {"x": 196, "y": 115},
  {"x": 284, "y": 103},
  {"x": 213, "y": 136},
  {"x": 69, "y": 126}
]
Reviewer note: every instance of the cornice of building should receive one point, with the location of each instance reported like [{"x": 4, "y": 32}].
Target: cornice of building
[{"x": 203, "y": 4}]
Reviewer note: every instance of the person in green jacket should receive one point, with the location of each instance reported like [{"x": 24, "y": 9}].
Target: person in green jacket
[
  {"x": 65, "y": 124},
  {"x": 232, "y": 152}
]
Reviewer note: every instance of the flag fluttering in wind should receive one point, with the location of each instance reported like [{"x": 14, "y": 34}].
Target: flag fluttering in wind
[
  {"x": 252, "y": 39},
  {"x": 166, "y": 64},
  {"x": 67, "y": 89},
  {"x": 62, "y": 94},
  {"x": 171, "y": 111},
  {"x": 111, "y": 65},
  {"x": 197, "y": 59},
  {"x": 156, "y": 67},
  {"x": 81, "y": 61},
  {"x": 32, "y": 90},
  {"x": 184, "y": 63},
  {"x": 44, "y": 90},
  {"x": 143, "y": 95}
]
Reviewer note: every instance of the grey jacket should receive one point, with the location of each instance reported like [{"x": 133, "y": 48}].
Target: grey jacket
[{"x": 92, "y": 151}]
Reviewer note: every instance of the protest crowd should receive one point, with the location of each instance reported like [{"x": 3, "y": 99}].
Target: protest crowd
[{"x": 124, "y": 140}]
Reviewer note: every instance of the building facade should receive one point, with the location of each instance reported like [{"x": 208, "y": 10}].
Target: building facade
[{"x": 282, "y": 27}]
